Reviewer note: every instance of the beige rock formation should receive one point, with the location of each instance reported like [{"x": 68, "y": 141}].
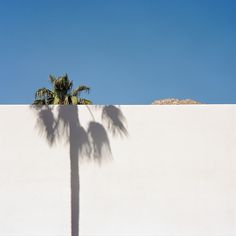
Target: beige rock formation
[{"x": 174, "y": 101}]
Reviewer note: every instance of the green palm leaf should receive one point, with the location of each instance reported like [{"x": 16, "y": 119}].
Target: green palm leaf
[
  {"x": 80, "y": 89},
  {"x": 52, "y": 78},
  {"x": 84, "y": 101}
]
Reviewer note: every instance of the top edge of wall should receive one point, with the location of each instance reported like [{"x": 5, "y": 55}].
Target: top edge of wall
[{"x": 134, "y": 105}]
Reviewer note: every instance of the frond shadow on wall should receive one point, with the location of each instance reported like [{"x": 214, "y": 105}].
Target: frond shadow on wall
[{"x": 115, "y": 120}]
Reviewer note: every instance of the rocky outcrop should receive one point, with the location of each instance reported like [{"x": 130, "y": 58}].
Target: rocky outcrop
[{"x": 174, "y": 101}]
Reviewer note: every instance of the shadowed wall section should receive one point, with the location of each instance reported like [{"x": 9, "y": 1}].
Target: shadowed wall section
[{"x": 118, "y": 170}]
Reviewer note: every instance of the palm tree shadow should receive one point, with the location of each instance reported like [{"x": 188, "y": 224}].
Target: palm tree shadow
[{"x": 92, "y": 144}]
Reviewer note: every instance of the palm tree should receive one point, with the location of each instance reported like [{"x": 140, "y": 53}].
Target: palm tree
[
  {"x": 92, "y": 143},
  {"x": 62, "y": 93}
]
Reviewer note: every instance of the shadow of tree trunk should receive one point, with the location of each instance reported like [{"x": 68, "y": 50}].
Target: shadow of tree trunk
[
  {"x": 75, "y": 188},
  {"x": 78, "y": 146}
]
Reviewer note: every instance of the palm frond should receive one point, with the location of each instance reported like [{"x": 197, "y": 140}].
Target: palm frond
[
  {"x": 52, "y": 78},
  {"x": 67, "y": 100},
  {"x": 68, "y": 82},
  {"x": 56, "y": 100},
  {"x": 84, "y": 101},
  {"x": 43, "y": 96},
  {"x": 81, "y": 88},
  {"x": 63, "y": 83},
  {"x": 74, "y": 100},
  {"x": 39, "y": 102},
  {"x": 43, "y": 92}
]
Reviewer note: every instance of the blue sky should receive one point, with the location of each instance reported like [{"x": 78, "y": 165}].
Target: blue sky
[{"x": 127, "y": 51}]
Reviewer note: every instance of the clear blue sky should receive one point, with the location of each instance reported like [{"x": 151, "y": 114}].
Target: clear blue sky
[{"x": 127, "y": 51}]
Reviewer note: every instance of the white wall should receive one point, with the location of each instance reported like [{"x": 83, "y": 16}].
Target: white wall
[{"x": 173, "y": 174}]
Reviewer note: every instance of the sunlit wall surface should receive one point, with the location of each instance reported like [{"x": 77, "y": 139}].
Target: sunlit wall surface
[{"x": 143, "y": 170}]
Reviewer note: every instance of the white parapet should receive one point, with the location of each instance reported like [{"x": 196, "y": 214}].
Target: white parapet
[{"x": 144, "y": 170}]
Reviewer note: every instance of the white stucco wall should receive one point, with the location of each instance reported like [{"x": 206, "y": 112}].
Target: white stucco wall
[{"x": 173, "y": 174}]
